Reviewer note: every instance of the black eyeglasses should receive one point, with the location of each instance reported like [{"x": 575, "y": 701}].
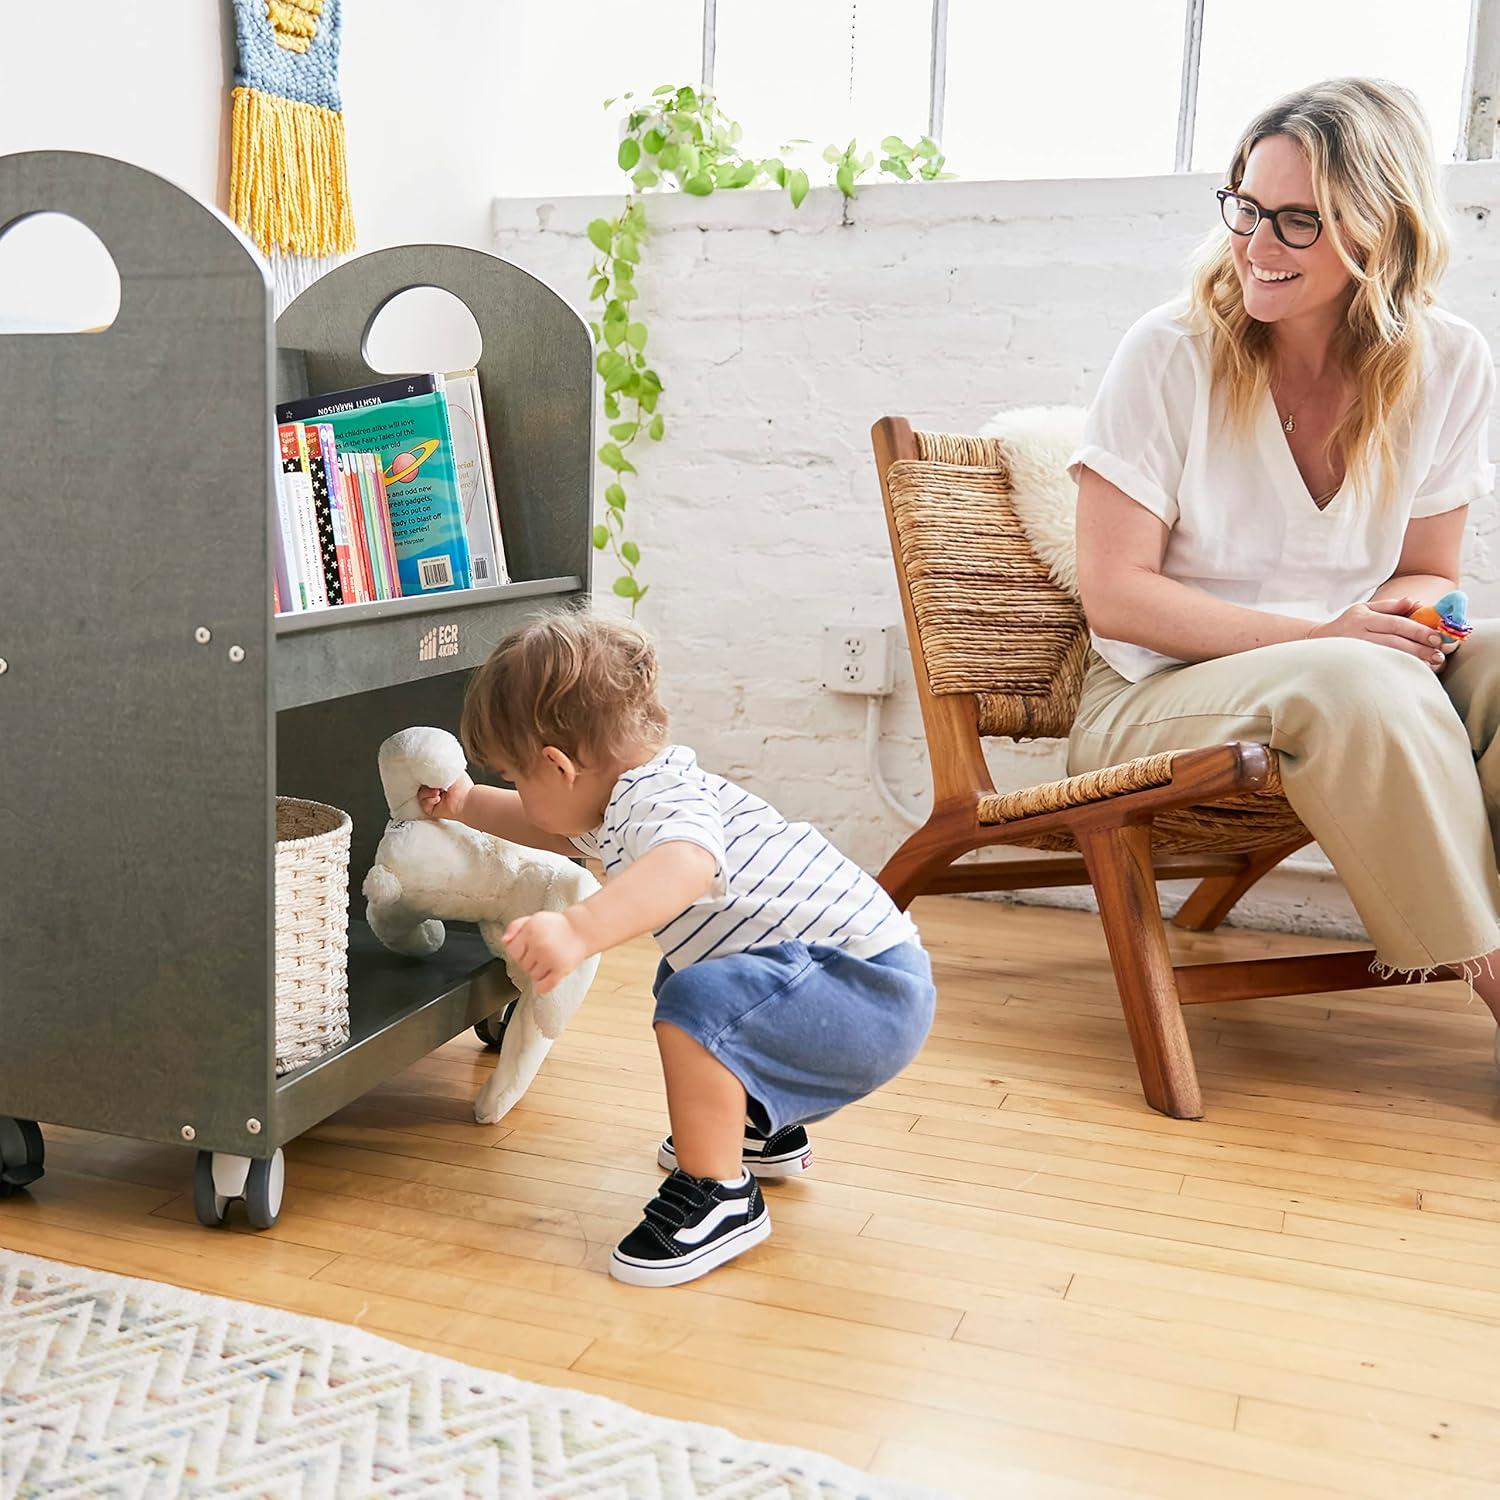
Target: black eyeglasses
[{"x": 1296, "y": 228}]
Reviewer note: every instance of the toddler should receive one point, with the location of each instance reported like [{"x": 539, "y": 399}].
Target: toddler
[{"x": 789, "y": 983}]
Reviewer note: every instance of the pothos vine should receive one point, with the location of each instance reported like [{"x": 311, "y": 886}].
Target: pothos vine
[{"x": 680, "y": 138}]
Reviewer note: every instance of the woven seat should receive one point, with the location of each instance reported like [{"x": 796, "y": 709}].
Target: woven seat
[{"x": 1000, "y": 649}]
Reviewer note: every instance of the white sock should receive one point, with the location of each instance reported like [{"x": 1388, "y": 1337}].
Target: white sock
[{"x": 739, "y": 1181}]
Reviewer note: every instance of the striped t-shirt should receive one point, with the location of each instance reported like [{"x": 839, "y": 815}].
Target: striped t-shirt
[{"x": 774, "y": 881}]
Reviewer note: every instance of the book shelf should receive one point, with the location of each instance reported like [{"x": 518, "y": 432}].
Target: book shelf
[{"x": 151, "y": 708}]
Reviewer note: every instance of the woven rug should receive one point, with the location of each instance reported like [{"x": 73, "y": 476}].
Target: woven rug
[{"x": 110, "y": 1386}]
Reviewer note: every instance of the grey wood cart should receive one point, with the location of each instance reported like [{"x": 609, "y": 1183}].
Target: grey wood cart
[{"x": 150, "y": 706}]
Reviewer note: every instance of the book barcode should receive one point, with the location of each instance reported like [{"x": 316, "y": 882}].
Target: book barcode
[
  {"x": 481, "y": 568},
  {"x": 435, "y": 572}
]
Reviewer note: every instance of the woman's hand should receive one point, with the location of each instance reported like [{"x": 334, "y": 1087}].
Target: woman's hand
[
  {"x": 446, "y": 802},
  {"x": 1384, "y": 622},
  {"x": 547, "y": 946}
]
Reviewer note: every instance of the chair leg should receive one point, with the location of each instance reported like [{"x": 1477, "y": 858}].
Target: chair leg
[
  {"x": 933, "y": 847},
  {"x": 1215, "y": 897},
  {"x": 1119, "y": 863}
]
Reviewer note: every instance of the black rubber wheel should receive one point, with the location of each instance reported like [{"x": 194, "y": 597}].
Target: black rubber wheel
[
  {"x": 209, "y": 1205},
  {"x": 22, "y": 1154},
  {"x": 491, "y": 1030},
  {"x": 263, "y": 1190}
]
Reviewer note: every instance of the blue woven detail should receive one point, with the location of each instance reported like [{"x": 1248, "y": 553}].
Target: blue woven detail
[{"x": 311, "y": 77}]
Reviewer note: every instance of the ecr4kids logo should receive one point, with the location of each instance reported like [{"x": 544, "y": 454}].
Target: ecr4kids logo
[{"x": 441, "y": 640}]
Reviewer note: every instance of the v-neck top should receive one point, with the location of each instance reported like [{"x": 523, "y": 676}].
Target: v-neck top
[{"x": 1242, "y": 525}]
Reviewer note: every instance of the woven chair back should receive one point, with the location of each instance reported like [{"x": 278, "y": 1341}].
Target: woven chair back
[{"x": 991, "y": 621}]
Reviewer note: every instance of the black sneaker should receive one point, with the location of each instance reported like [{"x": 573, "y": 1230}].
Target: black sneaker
[
  {"x": 773, "y": 1158},
  {"x": 692, "y": 1225}
]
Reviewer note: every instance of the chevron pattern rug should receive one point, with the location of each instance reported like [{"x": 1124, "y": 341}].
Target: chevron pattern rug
[{"x": 115, "y": 1387}]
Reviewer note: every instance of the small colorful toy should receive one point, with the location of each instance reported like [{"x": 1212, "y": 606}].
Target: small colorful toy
[{"x": 1449, "y": 616}]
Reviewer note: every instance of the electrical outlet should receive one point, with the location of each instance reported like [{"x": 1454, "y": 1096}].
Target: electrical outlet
[{"x": 859, "y": 659}]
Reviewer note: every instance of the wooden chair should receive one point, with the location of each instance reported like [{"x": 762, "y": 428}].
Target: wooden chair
[{"x": 999, "y": 649}]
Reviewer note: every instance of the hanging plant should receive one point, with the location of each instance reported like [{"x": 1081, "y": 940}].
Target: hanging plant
[{"x": 680, "y": 139}]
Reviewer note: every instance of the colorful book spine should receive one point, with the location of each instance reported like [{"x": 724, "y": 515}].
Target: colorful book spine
[
  {"x": 300, "y": 509},
  {"x": 476, "y": 477},
  {"x": 354, "y": 520},
  {"x": 406, "y": 424},
  {"x": 318, "y": 462}
]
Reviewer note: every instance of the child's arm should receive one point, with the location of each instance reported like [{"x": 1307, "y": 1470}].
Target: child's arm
[
  {"x": 646, "y": 895},
  {"x": 490, "y": 809}
]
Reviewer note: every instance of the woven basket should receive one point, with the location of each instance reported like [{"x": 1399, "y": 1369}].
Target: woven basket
[{"x": 312, "y": 930}]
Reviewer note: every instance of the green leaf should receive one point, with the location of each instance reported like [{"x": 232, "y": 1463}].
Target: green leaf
[
  {"x": 626, "y": 291},
  {"x": 631, "y": 553},
  {"x": 614, "y": 496},
  {"x": 896, "y": 168},
  {"x": 893, "y": 145},
  {"x": 657, "y": 428},
  {"x": 601, "y": 537},
  {"x": 614, "y": 332},
  {"x": 796, "y": 182},
  {"x": 611, "y": 406},
  {"x": 627, "y": 250},
  {"x": 775, "y": 169},
  {"x": 700, "y": 185},
  {"x": 927, "y": 147},
  {"x": 845, "y": 179},
  {"x": 601, "y": 232},
  {"x": 647, "y": 398},
  {"x": 628, "y": 154},
  {"x": 624, "y": 431},
  {"x": 646, "y": 178},
  {"x": 667, "y": 160},
  {"x": 742, "y": 176},
  {"x": 599, "y": 288},
  {"x": 653, "y": 140},
  {"x": 831, "y": 154},
  {"x": 636, "y": 334},
  {"x": 611, "y": 457},
  {"x": 666, "y": 88},
  {"x": 627, "y": 588}
]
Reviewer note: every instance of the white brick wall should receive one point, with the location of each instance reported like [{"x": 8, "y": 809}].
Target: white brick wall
[{"x": 782, "y": 335}]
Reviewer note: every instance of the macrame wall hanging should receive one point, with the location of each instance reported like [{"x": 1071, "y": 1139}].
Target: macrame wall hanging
[{"x": 288, "y": 176}]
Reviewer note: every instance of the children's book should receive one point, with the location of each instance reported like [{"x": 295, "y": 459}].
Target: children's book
[
  {"x": 476, "y": 477},
  {"x": 405, "y": 423},
  {"x": 298, "y": 490},
  {"x": 319, "y": 462}
]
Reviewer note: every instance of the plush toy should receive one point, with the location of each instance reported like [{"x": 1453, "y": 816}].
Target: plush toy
[
  {"x": 1449, "y": 616},
  {"x": 426, "y": 869}
]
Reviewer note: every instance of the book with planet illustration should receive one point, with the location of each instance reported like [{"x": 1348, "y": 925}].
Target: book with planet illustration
[{"x": 405, "y": 424}]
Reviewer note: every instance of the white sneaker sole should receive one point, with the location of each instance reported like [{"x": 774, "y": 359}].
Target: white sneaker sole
[
  {"x": 699, "y": 1263},
  {"x": 765, "y": 1168}
]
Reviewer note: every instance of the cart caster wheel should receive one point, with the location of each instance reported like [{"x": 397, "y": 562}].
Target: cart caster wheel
[
  {"x": 491, "y": 1030},
  {"x": 22, "y": 1153},
  {"x": 208, "y": 1203},
  {"x": 220, "y": 1177},
  {"x": 263, "y": 1190}
]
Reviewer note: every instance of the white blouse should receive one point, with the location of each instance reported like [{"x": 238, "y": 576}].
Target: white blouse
[{"x": 1242, "y": 524}]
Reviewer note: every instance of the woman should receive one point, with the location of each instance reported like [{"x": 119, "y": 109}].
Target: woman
[{"x": 1275, "y": 472}]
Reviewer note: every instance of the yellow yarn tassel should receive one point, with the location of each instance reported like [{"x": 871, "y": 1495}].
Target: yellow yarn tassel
[{"x": 289, "y": 176}]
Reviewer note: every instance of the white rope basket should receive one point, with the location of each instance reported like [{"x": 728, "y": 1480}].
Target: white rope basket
[{"x": 312, "y": 930}]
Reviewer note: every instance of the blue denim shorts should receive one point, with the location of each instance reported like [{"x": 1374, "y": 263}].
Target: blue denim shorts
[{"x": 806, "y": 1029}]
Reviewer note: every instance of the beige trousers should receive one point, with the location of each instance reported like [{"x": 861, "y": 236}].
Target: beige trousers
[{"x": 1394, "y": 769}]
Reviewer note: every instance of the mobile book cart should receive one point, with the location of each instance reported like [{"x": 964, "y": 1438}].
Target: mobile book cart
[{"x": 151, "y": 707}]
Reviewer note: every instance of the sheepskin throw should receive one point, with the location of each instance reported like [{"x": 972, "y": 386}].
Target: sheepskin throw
[{"x": 1040, "y": 441}]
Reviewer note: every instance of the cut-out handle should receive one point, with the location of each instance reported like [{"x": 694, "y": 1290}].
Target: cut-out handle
[
  {"x": 56, "y": 276},
  {"x": 422, "y": 328}
]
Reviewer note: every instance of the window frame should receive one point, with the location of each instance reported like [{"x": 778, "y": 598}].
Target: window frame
[{"x": 1478, "y": 125}]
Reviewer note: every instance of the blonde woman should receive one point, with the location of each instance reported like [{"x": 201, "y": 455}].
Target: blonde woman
[{"x": 1275, "y": 472}]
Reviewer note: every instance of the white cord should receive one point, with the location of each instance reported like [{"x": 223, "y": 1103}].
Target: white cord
[{"x": 872, "y": 763}]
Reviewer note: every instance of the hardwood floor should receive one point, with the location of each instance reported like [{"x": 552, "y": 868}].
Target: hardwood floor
[{"x": 1004, "y": 1275}]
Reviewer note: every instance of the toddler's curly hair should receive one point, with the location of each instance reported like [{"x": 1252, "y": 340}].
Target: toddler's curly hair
[{"x": 580, "y": 682}]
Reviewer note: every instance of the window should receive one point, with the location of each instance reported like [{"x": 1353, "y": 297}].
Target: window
[
  {"x": 822, "y": 71},
  {"x": 1247, "y": 62},
  {"x": 1086, "y": 88}
]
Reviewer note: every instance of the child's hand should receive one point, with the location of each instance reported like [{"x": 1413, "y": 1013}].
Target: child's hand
[
  {"x": 441, "y": 802},
  {"x": 547, "y": 946}
]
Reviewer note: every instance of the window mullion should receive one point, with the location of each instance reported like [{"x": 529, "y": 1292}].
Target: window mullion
[
  {"x": 1187, "y": 102},
  {"x": 1481, "y": 97}
]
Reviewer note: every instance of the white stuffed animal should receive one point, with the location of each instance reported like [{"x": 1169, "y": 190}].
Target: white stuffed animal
[{"x": 426, "y": 869}]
